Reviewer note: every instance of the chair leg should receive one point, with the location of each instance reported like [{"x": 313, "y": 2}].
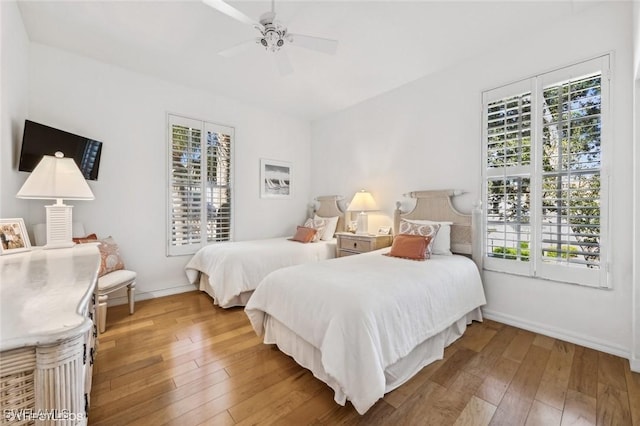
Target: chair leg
[
  {"x": 131, "y": 289},
  {"x": 102, "y": 312}
]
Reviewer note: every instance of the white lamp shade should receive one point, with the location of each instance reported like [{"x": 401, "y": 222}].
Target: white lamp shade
[
  {"x": 56, "y": 178},
  {"x": 363, "y": 202}
]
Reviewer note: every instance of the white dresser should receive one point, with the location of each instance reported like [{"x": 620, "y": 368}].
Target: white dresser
[{"x": 47, "y": 334}]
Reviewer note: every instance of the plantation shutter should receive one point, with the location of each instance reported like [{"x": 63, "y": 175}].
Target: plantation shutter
[
  {"x": 508, "y": 168},
  {"x": 218, "y": 183},
  {"x": 545, "y": 186},
  {"x": 573, "y": 183},
  {"x": 200, "y": 191}
]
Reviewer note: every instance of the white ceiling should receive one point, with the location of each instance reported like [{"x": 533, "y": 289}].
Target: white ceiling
[{"x": 383, "y": 44}]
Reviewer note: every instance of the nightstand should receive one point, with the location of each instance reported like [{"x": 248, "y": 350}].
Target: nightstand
[{"x": 349, "y": 243}]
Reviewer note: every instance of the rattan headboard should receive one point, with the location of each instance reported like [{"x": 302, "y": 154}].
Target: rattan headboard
[
  {"x": 436, "y": 205},
  {"x": 328, "y": 207}
]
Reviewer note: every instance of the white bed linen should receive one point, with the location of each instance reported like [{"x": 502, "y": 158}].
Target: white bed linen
[
  {"x": 237, "y": 267},
  {"x": 364, "y": 313},
  {"x": 396, "y": 374}
]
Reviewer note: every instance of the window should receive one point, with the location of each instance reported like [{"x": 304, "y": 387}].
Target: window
[
  {"x": 200, "y": 184},
  {"x": 545, "y": 182}
]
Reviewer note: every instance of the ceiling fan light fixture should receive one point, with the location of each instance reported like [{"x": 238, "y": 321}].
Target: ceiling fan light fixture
[{"x": 273, "y": 36}]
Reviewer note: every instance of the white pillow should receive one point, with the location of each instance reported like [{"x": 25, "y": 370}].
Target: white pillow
[
  {"x": 442, "y": 243},
  {"x": 330, "y": 227}
]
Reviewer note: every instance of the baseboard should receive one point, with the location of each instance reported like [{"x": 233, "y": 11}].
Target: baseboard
[
  {"x": 152, "y": 294},
  {"x": 634, "y": 363},
  {"x": 562, "y": 334}
]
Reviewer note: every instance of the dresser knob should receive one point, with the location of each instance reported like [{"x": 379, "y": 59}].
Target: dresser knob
[{"x": 355, "y": 245}]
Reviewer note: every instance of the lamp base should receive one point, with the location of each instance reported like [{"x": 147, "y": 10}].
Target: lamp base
[
  {"x": 363, "y": 224},
  {"x": 58, "y": 245},
  {"x": 59, "y": 229}
]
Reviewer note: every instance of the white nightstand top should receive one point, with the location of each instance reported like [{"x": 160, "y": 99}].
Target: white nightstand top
[{"x": 351, "y": 234}]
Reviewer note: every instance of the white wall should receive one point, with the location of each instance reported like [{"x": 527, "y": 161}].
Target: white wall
[
  {"x": 427, "y": 135},
  {"x": 14, "y": 48},
  {"x": 127, "y": 112},
  {"x": 635, "y": 362},
  {"x": 636, "y": 39}
]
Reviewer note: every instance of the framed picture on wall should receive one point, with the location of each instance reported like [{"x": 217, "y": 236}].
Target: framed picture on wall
[
  {"x": 276, "y": 179},
  {"x": 13, "y": 236}
]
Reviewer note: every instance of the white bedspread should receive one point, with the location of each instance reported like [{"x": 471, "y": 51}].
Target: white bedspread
[
  {"x": 367, "y": 311},
  {"x": 236, "y": 267}
]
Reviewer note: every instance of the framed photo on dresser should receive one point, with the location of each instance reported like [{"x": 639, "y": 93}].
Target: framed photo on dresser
[{"x": 13, "y": 236}]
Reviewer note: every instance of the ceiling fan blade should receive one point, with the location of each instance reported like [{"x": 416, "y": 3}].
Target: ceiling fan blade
[
  {"x": 237, "y": 49},
  {"x": 231, "y": 11},
  {"x": 283, "y": 63},
  {"x": 324, "y": 45}
]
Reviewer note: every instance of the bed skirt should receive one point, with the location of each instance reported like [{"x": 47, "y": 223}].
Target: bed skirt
[
  {"x": 239, "y": 300},
  {"x": 396, "y": 374}
]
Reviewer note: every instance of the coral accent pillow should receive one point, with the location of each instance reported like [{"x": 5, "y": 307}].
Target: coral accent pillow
[
  {"x": 425, "y": 230},
  {"x": 304, "y": 234},
  {"x": 91, "y": 238},
  {"x": 110, "y": 259},
  {"x": 318, "y": 225},
  {"x": 410, "y": 247}
]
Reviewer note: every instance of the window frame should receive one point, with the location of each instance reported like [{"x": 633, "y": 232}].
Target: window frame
[
  {"x": 535, "y": 266},
  {"x": 203, "y": 126}
]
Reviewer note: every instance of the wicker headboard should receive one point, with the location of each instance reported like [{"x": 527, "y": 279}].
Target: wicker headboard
[
  {"x": 328, "y": 207},
  {"x": 436, "y": 205}
]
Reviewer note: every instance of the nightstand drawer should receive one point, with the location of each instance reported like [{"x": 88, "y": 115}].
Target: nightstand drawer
[
  {"x": 343, "y": 253},
  {"x": 356, "y": 245},
  {"x": 349, "y": 244}
]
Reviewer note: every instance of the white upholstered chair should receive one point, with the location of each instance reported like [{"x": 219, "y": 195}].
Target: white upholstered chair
[{"x": 108, "y": 283}]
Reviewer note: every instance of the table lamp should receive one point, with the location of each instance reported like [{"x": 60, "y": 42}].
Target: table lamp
[
  {"x": 362, "y": 202},
  {"x": 57, "y": 178}
]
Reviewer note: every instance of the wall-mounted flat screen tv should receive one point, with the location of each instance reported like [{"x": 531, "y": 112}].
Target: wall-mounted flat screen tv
[{"x": 39, "y": 140}]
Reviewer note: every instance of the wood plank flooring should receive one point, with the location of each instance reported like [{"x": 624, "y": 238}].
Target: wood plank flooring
[{"x": 180, "y": 360}]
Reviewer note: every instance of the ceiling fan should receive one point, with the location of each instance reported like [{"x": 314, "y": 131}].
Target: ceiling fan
[{"x": 273, "y": 36}]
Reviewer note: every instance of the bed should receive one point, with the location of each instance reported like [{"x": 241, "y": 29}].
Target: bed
[
  {"x": 365, "y": 324},
  {"x": 229, "y": 272}
]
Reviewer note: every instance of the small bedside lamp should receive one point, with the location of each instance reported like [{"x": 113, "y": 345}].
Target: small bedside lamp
[
  {"x": 362, "y": 202},
  {"x": 57, "y": 178}
]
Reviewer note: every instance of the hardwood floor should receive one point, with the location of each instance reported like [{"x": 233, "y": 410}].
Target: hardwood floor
[{"x": 180, "y": 360}]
